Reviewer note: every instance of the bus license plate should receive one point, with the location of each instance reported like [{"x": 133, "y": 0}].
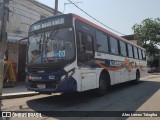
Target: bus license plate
[{"x": 41, "y": 86}]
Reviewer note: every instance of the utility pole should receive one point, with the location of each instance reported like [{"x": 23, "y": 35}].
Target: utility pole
[
  {"x": 56, "y": 7},
  {"x": 3, "y": 37}
]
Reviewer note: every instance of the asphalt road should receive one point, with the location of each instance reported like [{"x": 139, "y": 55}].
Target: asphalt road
[{"x": 124, "y": 97}]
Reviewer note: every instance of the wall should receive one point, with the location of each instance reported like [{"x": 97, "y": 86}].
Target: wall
[
  {"x": 22, "y": 14},
  {"x": 133, "y": 41},
  {"x": 1, "y": 6}
]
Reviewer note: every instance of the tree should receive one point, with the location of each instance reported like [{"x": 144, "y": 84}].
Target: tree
[{"x": 147, "y": 35}]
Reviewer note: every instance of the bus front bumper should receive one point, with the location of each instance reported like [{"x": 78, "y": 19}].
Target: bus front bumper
[{"x": 68, "y": 85}]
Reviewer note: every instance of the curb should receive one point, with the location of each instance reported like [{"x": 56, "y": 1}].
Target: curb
[
  {"x": 18, "y": 95},
  {"x": 154, "y": 73}
]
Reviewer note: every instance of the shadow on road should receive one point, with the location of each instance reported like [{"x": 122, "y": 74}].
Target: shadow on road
[{"x": 123, "y": 97}]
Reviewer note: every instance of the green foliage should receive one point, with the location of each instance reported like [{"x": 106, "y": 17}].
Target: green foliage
[
  {"x": 147, "y": 34},
  {"x": 151, "y": 49}
]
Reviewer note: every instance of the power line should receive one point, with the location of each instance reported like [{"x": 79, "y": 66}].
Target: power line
[
  {"x": 95, "y": 18},
  {"x": 68, "y": 4}
]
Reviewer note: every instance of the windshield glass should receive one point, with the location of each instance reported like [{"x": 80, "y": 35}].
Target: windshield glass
[{"x": 52, "y": 46}]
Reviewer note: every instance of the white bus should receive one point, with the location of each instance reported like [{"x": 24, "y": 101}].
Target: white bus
[{"x": 68, "y": 53}]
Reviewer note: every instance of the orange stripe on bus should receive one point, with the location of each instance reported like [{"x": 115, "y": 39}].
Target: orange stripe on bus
[{"x": 108, "y": 68}]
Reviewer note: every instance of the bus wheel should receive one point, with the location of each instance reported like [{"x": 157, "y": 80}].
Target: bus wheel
[
  {"x": 137, "y": 80},
  {"x": 103, "y": 86}
]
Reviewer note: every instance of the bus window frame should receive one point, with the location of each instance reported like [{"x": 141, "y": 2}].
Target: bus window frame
[
  {"x": 140, "y": 53},
  {"x": 135, "y": 48},
  {"x": 143, "y": 53},
  {"x": 125, "y": 48},
  {"x": 132, "y": 50},
  {"x": 107, "y": 42},
  {"x": 118, "y": 54},
  {"x": 78, "y": 46}
]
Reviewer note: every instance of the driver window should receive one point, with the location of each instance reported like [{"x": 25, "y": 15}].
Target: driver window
[
  {"x": 85, "y": 47},
  {"x": 85, "y": 43}
]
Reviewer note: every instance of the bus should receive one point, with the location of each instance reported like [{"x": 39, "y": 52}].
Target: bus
[{"x": 67, "y": 53}]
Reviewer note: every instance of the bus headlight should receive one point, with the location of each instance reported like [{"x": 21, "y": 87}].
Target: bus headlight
[
  {"x": 70, "y": 73},
  {"x": 63, "y": 77}
]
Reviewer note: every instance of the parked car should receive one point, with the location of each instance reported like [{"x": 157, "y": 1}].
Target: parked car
[
  {"x": 150, "y": 70},
  {"x": 156, "y": 69}
]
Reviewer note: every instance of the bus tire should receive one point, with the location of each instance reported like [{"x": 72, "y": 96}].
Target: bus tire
[
  {"x": 103, "y": 86},
  {"x": 137, "y": 80}
]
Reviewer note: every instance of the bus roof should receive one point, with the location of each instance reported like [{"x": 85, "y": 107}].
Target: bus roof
[{"x": 104, "y": 30}]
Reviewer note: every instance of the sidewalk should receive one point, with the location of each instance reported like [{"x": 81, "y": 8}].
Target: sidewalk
[
  {"x": 157, "y": 73},
  {"x": 18, "y": 91}
]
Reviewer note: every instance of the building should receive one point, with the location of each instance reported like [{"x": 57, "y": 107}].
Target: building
[
  {"x": 21, "y": 14},
  {"x": 130, "y": 38}
]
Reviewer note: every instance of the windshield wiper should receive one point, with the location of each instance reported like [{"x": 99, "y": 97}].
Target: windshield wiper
[{"x": 53, "y": 34}]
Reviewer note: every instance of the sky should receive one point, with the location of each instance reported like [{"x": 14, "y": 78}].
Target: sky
[{"x": 119, "y": 15}]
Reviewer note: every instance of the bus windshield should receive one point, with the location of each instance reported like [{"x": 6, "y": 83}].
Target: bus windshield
[{"x": 51, "y": 46}]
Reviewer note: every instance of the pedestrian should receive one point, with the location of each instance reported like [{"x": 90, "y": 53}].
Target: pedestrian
[{"x": 5, "y": 64}]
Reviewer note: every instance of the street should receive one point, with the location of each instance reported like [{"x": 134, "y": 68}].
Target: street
[{"x": 124, "y": 97}]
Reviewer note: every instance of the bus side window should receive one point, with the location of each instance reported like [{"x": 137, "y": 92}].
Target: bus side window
[
  {"x": 123, "y": 50},
  {"x": 89, "y": 44},
  {"x": 130, "y": 51},
  {"x": 85, "y": 47},
  {"x": 144, "y": 55},
  {"x": 140, "y": 54},
  {"x": 114, "y": 46},
  {"x": 135, "y": 52},
  {"x": 85, "y": 43},
  {"x": 101, "y": 42},
  {"x": 80, "y": 45}
]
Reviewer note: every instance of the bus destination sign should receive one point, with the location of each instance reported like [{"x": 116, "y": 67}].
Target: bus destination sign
[{"x": 47, "y": 23}]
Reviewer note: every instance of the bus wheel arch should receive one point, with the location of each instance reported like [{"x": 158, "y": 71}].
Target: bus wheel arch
[{"x": 104, "y": 82}]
